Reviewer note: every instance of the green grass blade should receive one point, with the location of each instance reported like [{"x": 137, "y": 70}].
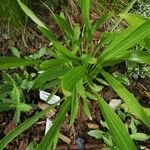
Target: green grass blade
[
  {"x": 24, "y": 126},
  {"x": 71, "y": 78},
  {"x": 127, "y": 97},
  {"x": 120, "y": 135},
  {"x": 13, "y": 62},
  {"x": 74, "y": 107},
  {"x": 47, "y": 141}
]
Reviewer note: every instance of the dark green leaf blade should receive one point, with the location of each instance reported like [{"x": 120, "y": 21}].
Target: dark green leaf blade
[
  {"x": 24, "y": 126},
  {"x": 127, "y": 97},
  {"x": 49, "y": 75},
  {"x": 71, "y": 78},
  {"x": 140, "y": 57},
  {"x": 116, "y": 127},
  {"x": 13, "y": 62},
  {"x": 48, "y": 139},
  {"x": 64, "y": 25},
  {"x": 74, "y": 107},
  {"x": 128, "y": 38}
]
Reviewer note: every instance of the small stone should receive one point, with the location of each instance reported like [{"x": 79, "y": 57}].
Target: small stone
[{"x": 114, "y": 103}]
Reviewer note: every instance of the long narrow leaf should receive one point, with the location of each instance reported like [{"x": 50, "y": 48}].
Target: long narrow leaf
[
  {"x": 13, "y": 62},
  {"x": 41, "y": 25},
  {"x": 49, "y": 75},
  {"x": 116, "y": 127},
  {"x": 64, "y": 25},
  {"x": 85, "y": 8},
  {"x": 128, "y": 38},
  {"x": 71, "y": 78},
  {"x": 52, "y": 62},
  {"x": 74, "y": 107},
  {"x": 140, "y": 58},
  {"x": 65, "y": 52},
  {"x": 24, "y": 126},
  {"x": 31, "y": 14},
  {"x": 127, "y": 97},
  {"x": 47, "y": 141}
]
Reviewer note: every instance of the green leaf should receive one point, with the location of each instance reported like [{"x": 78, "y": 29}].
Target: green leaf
[
  {"x": 5, "y": 89},
  {"x": 116, "y": 127},
  {"x": 8, "y": 79},
  {"x": 70, "y": 79},
  {"x": 74, "y": 107},
  {"x": 24, "y": 126},
  {"x": 128, "y": 38},
  {"x": 32, "y": 146},
  {"x": 100, "y": 21},
  {"x": 86, "y": 108},
  {"x": 13, "y": 62},
  {"x": 16, "y": 95},
  {"x": 31, "y": 14},
  {"x": 94, "y": 87},
  {"x": 23, "y": 107},
  {"x": 15, "y": 52},
  {"x": 88, "y": 59},
  {"x": 147, "y": 42},
  {"x": 121, "y": 78},
  {"x": 85, "y": 8},
  {"x": 42, "y": 26},
  {"x": 48, "y": 34},
  {"x": 16, "y": 117},
  {"x": 64, "y": 25},
  {"x": 140, "y": 58},
  {"x": 140, "y": 136},
  {"x": 5, "y": 106},
  {"x": 98, "y": 134},
  {"x": 80, "y": 88},
  {"x": 132, "y": 19},
  {"x": 49, "y": 75},
  {"x": 52, "y": 62},
  {"x": 127, "y": 97},
  {"x": 49, "y": 137},
  {"x": 65, "y": 52}
]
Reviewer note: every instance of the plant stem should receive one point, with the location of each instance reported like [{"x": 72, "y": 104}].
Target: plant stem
[{"x": 124, "y": 11}]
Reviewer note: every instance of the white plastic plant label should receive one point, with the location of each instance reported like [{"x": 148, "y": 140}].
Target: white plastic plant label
[
  {"x": 48, "y": 125},
  {"x": 44, "y": 96}
]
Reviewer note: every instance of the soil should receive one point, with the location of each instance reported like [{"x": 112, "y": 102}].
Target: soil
[{"x": 32, "y": 40}]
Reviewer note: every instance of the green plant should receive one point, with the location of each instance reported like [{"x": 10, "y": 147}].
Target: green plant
[
  {"x": 135, "y": 69},
  {"x": 12, "y": 97},
  {"x": 78, "y": 69}
]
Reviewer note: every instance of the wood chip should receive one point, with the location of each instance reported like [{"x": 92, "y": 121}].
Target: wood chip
[
  {"x": 92, "y": 126},
  {"x": 64, "y": 138},
  {"x": 44, "y": 106}
]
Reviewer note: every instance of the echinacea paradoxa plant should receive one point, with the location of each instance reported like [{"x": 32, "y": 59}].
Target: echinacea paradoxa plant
[{"x": 76, "y": 64}]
